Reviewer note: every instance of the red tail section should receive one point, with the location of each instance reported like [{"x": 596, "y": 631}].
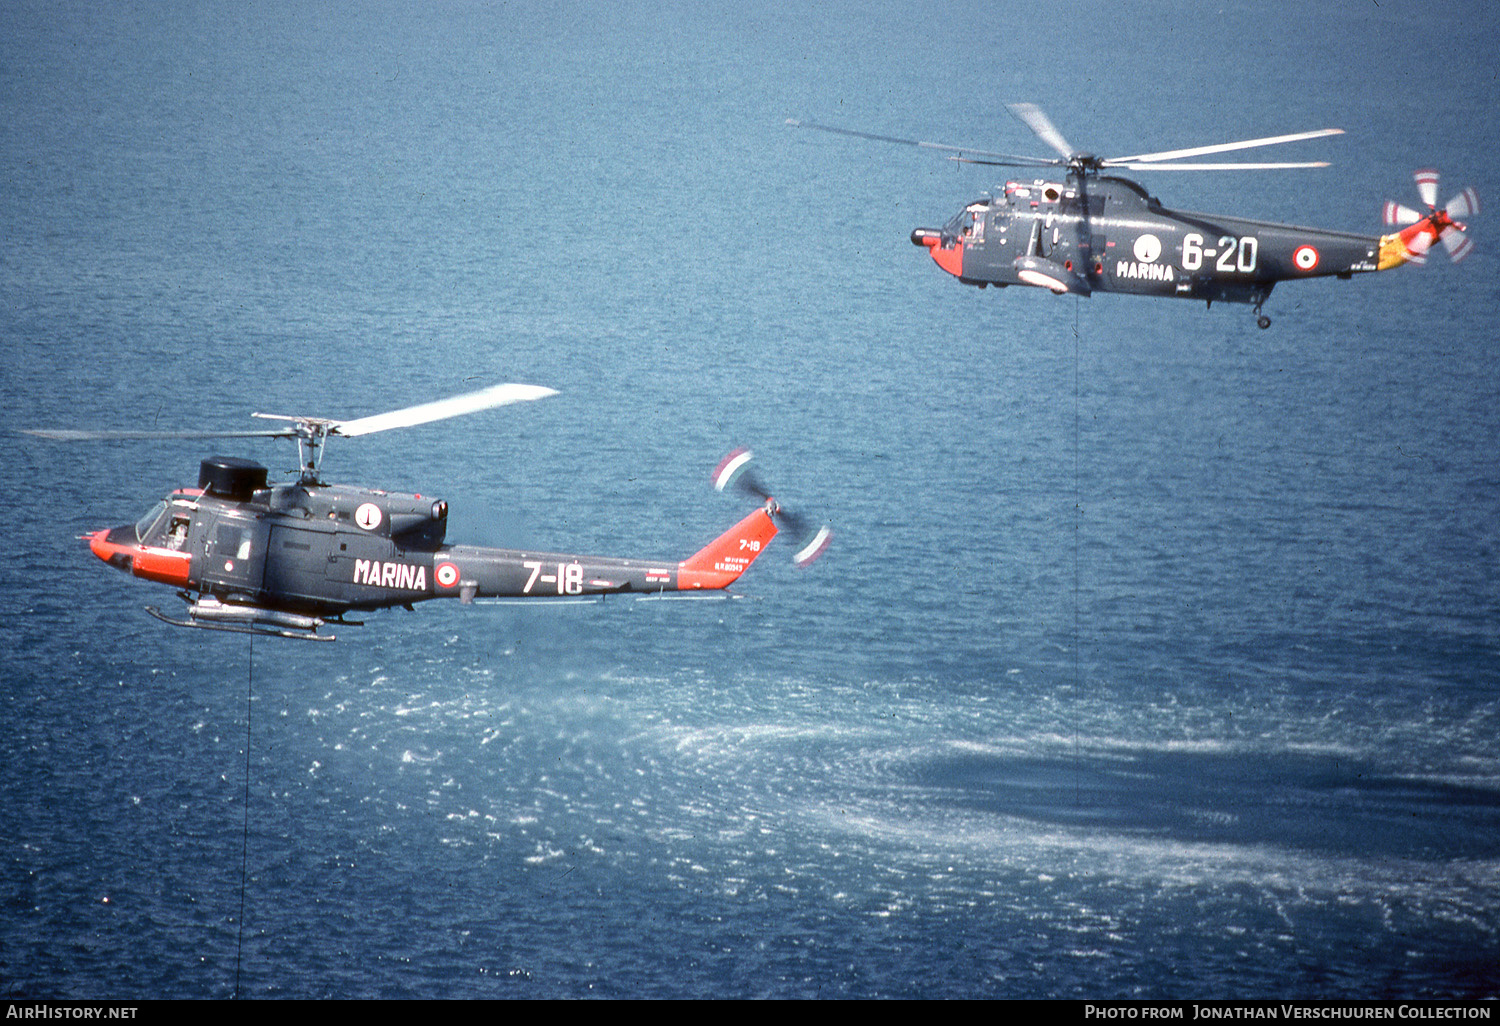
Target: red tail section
[{"x": 720, "y": 563}]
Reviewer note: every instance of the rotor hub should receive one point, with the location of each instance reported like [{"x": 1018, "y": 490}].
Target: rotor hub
[{"x": 1085, "y": 163}]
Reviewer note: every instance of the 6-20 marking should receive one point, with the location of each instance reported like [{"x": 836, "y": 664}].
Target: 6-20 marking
[{"x": 1233, "y": 255}]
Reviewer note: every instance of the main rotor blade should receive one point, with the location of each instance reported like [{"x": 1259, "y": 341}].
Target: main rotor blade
[
  {"x": 1019, "y": 160},
  {"x": 1148, "y": 166},
  {"x": 72, "y": 435},
  {"x": 441, "y": 409},
  {"x": 1011, "y": 162},
  {"x": 1200, "y": 151},
  {"x": 1033, "y": 118}
]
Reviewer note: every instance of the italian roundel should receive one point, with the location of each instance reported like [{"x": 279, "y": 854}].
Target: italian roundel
[
  {"x": 1305, "y": 257},
  {"x": 446, "y": 575}
]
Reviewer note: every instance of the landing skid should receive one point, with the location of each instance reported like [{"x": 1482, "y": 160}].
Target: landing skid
[
  {"x": 717, "y": 595},
  {"x": 300, "y": 634}
]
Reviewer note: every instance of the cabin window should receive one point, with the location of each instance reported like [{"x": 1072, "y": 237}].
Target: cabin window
[
  {"x": 232, "y": 541},
  {"x": 147, "y": 523},
  {"x": 177, "y": 532}
]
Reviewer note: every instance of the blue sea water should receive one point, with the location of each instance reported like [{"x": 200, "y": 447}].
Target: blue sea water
[{"x": 1156, "y": 655}]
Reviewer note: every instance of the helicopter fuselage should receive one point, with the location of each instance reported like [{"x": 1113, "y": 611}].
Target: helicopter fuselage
[
  {"x": 1087, "y": 234},
  {"x": 280, "y": 559}
]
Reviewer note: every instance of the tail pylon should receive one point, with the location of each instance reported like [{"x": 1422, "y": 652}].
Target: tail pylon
[{"x": 720, "y": 563}]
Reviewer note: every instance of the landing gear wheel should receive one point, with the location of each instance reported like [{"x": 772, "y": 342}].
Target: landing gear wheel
[{"x": 1261, "y": 320}]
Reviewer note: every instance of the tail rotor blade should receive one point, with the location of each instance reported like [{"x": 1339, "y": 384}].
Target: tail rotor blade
[
  {"x": 1465, "y": 204},
  {"x": 1443, "y": 223},
  {"x": 807, "y": 554},
  {"x": 1397, "y": 214},
  {"x": 1456, "y": 242},
  {"x": 734, "y": 471},
  {"x": 1427, "y": 186},
  {"x": 810, "y": 543}
]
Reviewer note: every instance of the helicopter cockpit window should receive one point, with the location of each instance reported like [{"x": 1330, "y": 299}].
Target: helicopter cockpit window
[
  {"x": 969, "y": 223},
  {"x": 148, "y": 523}
]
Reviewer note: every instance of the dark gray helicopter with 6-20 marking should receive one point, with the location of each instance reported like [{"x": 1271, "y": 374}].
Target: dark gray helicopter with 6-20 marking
[
  {"x": 285, "y": 559},
  {"x": 1084, "y": 231}
]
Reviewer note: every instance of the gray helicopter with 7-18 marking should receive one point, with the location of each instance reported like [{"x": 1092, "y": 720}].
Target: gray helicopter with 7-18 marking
[
  {"x": 285, "y": 559},
  {"x": 1082, "y": 230}
]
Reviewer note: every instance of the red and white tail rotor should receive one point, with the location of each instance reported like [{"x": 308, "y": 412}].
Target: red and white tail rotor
[
  {"x": 735, "y": 471},
  {"x": 1443, "y": 223}
]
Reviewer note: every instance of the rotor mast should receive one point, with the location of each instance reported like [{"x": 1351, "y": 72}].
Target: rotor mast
[{"x": 311, "y": 433}]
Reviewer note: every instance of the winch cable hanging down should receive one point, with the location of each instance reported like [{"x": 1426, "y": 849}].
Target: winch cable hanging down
[{"x": 239, "y": 942}]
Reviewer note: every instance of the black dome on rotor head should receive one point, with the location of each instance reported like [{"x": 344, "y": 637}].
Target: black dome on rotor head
[{"x": 231, "y": 477}]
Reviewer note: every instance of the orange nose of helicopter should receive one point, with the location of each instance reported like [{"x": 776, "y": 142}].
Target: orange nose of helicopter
[
  {"x": 114, "y": 545},
  {"x": 118, "y": 547},
  {"x": 949, "y": 258}
]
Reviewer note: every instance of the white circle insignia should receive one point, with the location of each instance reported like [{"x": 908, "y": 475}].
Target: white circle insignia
[
  {"x": 1147, "y": 249},
  {"x": 1305, "y": 257},
  {"x": 446, "y": 575},
  {"x": 368, "y": 516}
]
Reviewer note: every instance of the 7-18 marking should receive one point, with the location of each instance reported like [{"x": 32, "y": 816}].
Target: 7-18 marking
[{"x": 569, "y": 577}]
